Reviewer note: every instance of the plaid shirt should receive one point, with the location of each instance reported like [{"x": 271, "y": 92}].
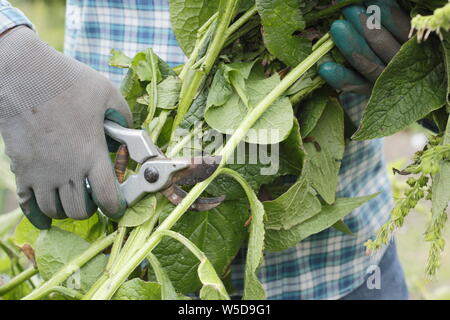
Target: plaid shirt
[{"x": 327, "y": 265}]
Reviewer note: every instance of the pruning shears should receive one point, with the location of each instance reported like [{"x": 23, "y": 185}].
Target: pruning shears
[{"x": 157, "y": 173}]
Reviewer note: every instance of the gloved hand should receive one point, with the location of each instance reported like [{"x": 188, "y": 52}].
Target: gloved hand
[
  {"x": 368, "y": 51},
  {"x": 52, "y": 110}
]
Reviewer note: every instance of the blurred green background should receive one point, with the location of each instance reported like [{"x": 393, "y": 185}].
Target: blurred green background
[{"x": 48, "y": 18}]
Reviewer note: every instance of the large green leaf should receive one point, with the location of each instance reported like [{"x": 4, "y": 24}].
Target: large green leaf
[
  {"x": 89, "y": 230},
  {"x": 187, "y": 16},
  {"x": 138, "y": 289},
  {"x": 312, "y": 111},
  {"x": 167, "y": 290},
  {"x": 325, "y": 151},
  {"x": 139, "y": 213},
  {"x": 228, "y": 77},
  {"x": 277, "y": 119},
  {"x": 291, "y": 158},
  {"x": 218, "y": 233},
  {"x": 295, "y": 206},
  {"x": 55, "y": 248},
  {"x": 278, "y": 240},
  {"x": 292, "y": 152},
  {"x": 281, "y": 19},
  {"x": 119, "y": 60},
  {"x": 446, "y": 50},
  {"x": 212, "y": 286},
  {"x": 413, "y": 85}
]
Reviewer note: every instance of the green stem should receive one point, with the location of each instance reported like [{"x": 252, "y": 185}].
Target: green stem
[
  {"x": 173, "y": 151},
  {"x": 321, "y": 41},
  {"x": 153, "y": 104},
  {"x": 227, "y": 8},
  {"x": 317, "y": 82},
  {"x": 312, "y": 17},
  {"x": 243, "y": 31},
  {"x": 100, "y": 281},
  {"x": 18, "y": 280},
  {"x": 72, "y": 267},
  {"x": 160, "y": 125},
  {"x": 66, "y": 292},
  {"x": 241, "y": 21},
  {"x": 137, "y": 241},
  {"x": 117, "y": 246},
  {"x": 109, "y": 287}
]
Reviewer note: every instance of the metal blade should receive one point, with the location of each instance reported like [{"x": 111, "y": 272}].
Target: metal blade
[
  {"x": 175, "y": 195},
  {"x": 199, "y": 170}
]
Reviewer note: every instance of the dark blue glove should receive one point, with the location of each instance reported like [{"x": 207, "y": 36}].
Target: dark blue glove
[{"x": 367, "y": 50}]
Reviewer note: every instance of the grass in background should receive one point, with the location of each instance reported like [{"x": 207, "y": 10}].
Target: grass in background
[{"x": 47, "y": 17}]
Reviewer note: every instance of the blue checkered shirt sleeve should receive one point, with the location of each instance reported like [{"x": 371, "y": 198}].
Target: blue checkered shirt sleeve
[{"x": 11, "y": 17}]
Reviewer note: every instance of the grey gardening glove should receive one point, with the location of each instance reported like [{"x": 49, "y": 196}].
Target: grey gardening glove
[{"x": 52, "y": 110}]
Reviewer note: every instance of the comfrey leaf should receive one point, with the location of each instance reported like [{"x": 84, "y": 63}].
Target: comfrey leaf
[
  {"x": 278, "y": 240},
  {"x": 280, "y": 20},
  {"x": 187, "y": 16},
  {"x": 168, "y": 93},
  {"x": 90, "y": 230},
  {"x": 295, "y": 206},
  {"x": 272, "y": 127},
  {"x": 139, "y": 213},
  {"x": 445, "y": 42},
  {"x": 119, "y": 59},
  {"x": 228, "y": 77},
  {"x": 137, "y": 289},
  {"x": 413, "y": 85},
  {"x": 312, "y": 111},
  {"x": 218, "y": 233},
  {"x": 167, "y": 290},
  {"x": 55, "y": 248},
  {"x": 325, "y": 149},
  {"x": 143, "y": 67}
]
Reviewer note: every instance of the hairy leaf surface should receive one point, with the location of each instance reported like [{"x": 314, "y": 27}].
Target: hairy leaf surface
[
  {"x": 137, "y": 289},
  {"x": 280, "y": 20},
  {"x": 278, "y": 240},
  {"x": 275, "y": 124},
  {"x": 325, "y": 151},
  {"x": 413, "y": 85},
  {"x": 218, "y": 233},
  {"x": 295, "y": 206},
  {"x": 55, "y": 248},
  {"x": 89, "y": 229},
  {"x": 139, "y": 213},
  {"x": 187, "y": 16},
  {"x": 312, "y": 111}
]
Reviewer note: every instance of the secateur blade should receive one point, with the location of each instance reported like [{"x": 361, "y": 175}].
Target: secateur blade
[
  {"x": 199, "y": 170},
  {"x": 175, "y": 195}
]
